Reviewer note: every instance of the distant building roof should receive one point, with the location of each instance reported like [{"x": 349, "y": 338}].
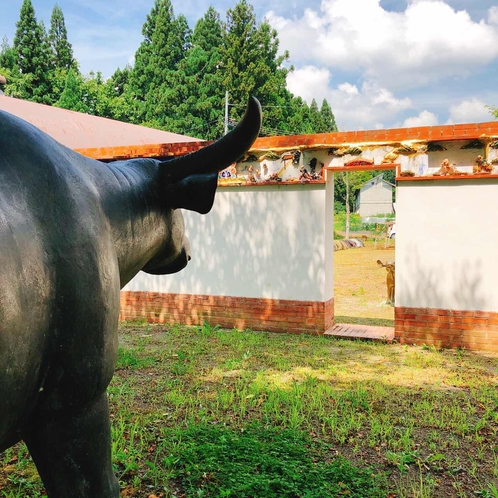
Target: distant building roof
[
  {"x": 102, "y": 138},
  {"x": 376, "y": 179}
]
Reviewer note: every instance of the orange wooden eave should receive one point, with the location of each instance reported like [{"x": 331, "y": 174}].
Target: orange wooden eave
[{"x": 470, "y": 131}]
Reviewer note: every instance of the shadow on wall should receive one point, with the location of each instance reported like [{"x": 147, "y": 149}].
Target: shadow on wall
[
  {"x": 453, "y": 286},
  {"x": 256, "y": 242}
]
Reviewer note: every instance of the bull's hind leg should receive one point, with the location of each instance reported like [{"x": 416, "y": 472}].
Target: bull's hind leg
[{"x": 72, "y": 451}]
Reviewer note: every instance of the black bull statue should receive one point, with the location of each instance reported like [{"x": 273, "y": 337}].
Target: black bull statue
[{"x": 73, "y": 232}]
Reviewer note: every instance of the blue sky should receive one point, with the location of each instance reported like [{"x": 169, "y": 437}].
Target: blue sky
[{"x": 379, "y": 63}]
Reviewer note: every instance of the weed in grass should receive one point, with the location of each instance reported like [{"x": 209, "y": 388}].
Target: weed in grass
[
  {"x": 207, "y": 330},
  {"x": 402, "y": 459},
  {"x": 133, "y": 358},
  {"x": 183, "y": 364},
  {"x": 423, "y": 486},
  {"x": 492, "y": 491},
  {"x": 127, "y": 445}
]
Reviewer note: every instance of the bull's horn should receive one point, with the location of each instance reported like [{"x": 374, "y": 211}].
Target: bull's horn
[{"x": 220, "y": 154}]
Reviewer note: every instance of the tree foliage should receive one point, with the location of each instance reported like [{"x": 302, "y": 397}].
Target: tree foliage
[
  {"x": 7, "y": 55},
  {"x": 72, "y": 95},
  {"x": 61, "y": 49},
  {"x": 31, "y": 54}
]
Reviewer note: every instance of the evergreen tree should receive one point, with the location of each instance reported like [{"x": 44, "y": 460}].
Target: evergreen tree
[
  {"x": 116, "y": 94},
  {"x": 297, "y": 118},
  {"x": 208, "y": 32},
  {"x": 62, "y": 51},
  {"x": 120, "y": 79},
  {"x": 170, "y": 43},
  {"x": 166, "y": 40},
  {"x": 72, "y": 95},
  {"x": 28, "y": 40},
  {"x": 141, "y": 76},
  {"x": 197, "y": 100},
  {"x": 45, "y": 71},
  {"x": 328, "y": 118},
  {"x": 251, "y": 66},
  {"x": 31, "y": 54},
  {"x": 315, "y": 118},
  {"x": 7, "y": 55}
]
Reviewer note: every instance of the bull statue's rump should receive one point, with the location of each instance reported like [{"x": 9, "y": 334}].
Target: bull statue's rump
[{"x": 73, "y": 232}]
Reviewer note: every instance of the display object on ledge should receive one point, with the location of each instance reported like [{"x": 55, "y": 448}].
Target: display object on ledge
[
  {"x": 448, "y": 169},
  {"x": 481, "y": 166}
]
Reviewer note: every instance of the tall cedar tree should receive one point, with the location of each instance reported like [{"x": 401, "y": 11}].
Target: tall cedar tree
[
  {"x": 166, "y": 40},
  {"x": 31, "y": 53},
  {"x": 72, "y": 95},
  {"x": 142, "y": 73},
  {"x": 170, "y": 41},
  {"x": 251, "y": 66},
  {"x": 197, "y": 95},
  {"x": 328, "y": 118},
  {"x": 46, "y": 86},
  {"x": 62, "y": 50},
  {"x": 316, "y": 124}
]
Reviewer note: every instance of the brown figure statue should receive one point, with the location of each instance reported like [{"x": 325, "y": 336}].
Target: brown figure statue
[
  {"x": 389, "y": 279},
  {"x": 73, "y": 232}
]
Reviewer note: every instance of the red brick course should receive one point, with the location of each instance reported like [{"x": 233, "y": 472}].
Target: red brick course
[
  {"x": 273, "y": 315},
  {"x": 447, "y": 328}
]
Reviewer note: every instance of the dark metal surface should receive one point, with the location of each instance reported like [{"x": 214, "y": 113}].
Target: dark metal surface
[{"x": 73, "y": 231}]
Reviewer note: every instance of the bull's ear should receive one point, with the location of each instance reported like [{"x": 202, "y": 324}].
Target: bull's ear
[{"x": 195, "y": 192}]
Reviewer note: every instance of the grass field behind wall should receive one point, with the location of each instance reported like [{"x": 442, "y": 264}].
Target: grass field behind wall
[
  {"x": 205, "y": 412},
  {"x": 360, "y": 284}
]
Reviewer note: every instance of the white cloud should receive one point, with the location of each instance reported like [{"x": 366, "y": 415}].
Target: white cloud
[
  {"x": 469, "y": 111},
  {"x": 309, "y": 82},
  {"x": 425, "y": 43},
  {"x": 348, "y": 88},
  {"x": 493, "y": 15},
  {"x": 353, "y": 107},
  {"x": 425, "y": 118}
]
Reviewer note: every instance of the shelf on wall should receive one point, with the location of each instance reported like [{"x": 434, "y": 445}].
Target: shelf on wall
[{"x": 446, "y": 177}]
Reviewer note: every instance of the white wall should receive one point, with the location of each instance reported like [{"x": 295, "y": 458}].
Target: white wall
[
  {"x": 269, "y": 241},
  {"x": 446, "y": 244}
]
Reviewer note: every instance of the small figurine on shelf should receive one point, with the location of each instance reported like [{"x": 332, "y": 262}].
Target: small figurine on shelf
[
  {"x": 304, "y": 176},
  {"x": 251, "y": 176},
  {"x": 407, "y": 172},
  {"x": 447, "y": 169},
  {"x": 481, "y": 166},
  {"x": 314, "y": 174}
]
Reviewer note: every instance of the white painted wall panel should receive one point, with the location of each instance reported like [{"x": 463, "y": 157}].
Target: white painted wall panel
[
  {"x": 446, "y": 244},
  {"x": 270, "y": 242}
]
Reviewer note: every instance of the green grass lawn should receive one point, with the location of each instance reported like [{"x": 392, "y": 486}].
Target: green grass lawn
[{"x": 204, "y": 412}]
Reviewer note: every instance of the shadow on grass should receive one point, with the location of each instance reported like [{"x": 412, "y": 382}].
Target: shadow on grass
[{"x": 360, "y": 320}]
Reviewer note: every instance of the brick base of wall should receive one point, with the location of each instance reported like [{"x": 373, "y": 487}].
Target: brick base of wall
[
  {"x": 273, "y": 315},
  {"x": 447, "y": 328}
]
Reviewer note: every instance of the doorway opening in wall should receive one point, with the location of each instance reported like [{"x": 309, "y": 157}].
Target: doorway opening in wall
[{"x": 364, "y": 248}]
